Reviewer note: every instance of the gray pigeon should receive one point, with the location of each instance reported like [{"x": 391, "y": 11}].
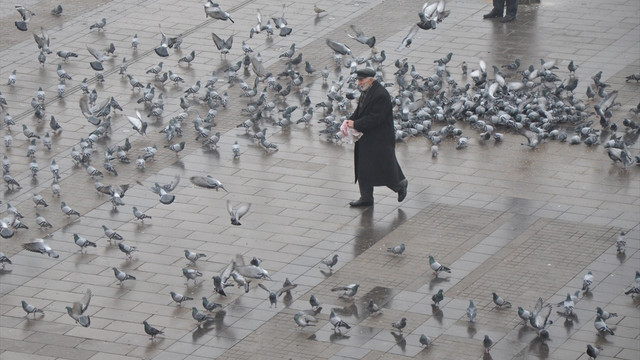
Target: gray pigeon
[
  {"x": 126, "y": 249},
  {"x": 111, "y": 234},
  {"x": 438, "y": 297},
  {"x": 191, "y": 274},
  {"x": 400, "y": 324},
  {"x": 82, "y": 242},
  {"x": 601, "y": 326},
  {"x": 42, "y": 222},
  {"x": 179, "y": 298},
  {"x": 140, "y": 215},
  {"x": 593, "y": 351},
  {"x": 213, "y": 10},
  {"x": 397, "y": 250},
  {"x": 361, "y": 37},
  {"x": 303, "y": 319},
  {"x": 39, "y": 246},
  {"x": 331, "y": 262},
  {"x": 192, "y": 256},
  {"x": 604, "y": 314},
  {"x": 487, "y": 342},
  {"x": 425, "y": 340},
  {"x": 237, "y": 213},
  {"x": 208, "y": 182},
  {"x": 199, "y": 316},
  {"x": 436, "y": 267},
  {"x": 472, "y": 311},
  {"x": 587, "y": 281},
  {"x": 224, "y": 46},
  {"x": 99, "y": 25},
  {"x": 349, "y": 291},
  {"x": 67, "y": 210},
  {"x": 337, "y": 322},
  {"x": 500, "y": 302},
  {"x": 83, "y": 320},
  {"x": 122, "y": 276},
  {"x": 4, "y": 259},
  {"x": 30, "y": 309},
  {"x": 209, "y": 305},
  {"x": 151, "y": 331}
]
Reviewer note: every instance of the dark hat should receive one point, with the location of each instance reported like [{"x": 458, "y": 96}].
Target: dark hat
[{"x": 365, "y": 73}]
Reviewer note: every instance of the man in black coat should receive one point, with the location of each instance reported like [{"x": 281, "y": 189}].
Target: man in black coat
[{"x": 375, "y": 152}]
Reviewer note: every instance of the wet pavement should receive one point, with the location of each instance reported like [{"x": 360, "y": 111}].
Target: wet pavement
[{"x": 524, "y": 223}]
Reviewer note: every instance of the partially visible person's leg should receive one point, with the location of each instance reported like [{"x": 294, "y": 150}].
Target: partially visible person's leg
[
  {"x": 497, "y": 11},
  {"x": 401, "y": 189},
  {"x": 512, "y": 10},
  {"x": 366, "y": 196}
]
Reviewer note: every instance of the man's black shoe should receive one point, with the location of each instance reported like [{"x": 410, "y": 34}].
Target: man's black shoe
[
  {"x": 492, "y": 14},
  {"x": 508, "y": 18},
  {"x": 361, "y": 203},
  {"x": 402, "y": 193}
]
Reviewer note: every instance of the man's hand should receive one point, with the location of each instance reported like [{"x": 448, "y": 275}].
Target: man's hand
[{"x": 350, "y": 123}]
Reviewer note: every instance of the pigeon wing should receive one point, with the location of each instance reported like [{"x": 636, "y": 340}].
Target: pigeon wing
[{"x": 219, "y": 42}]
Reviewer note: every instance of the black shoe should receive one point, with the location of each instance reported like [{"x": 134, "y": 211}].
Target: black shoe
[
  {"x": 361, "y": 203},
  {"x": 402, "y": 193},
  {"x": 492, "y": 14},
  {"x": 508, "y": 18}
]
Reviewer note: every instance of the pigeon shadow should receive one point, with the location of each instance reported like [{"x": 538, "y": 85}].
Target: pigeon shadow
[
  {"x": 437, "y": 313},
  {"x": 435, "y": 281},
  {"x": 350, "y": 310},
  {"x": 587, "y": 294},
  {"x": 621, "y": 257},
  {"x": 5, "y": 271},
  {"x": 287, "y": 300},
  {"x": 539, "y": 347},
  {"x": 337, "y": 336},
  {"x": 523, "y": 331},
  {"x": 326, "y": 274},
  {"x": 400, "y": 341},
  {"x": 471, "y": 330},
  {"x": 154, "y": 344},
  {"x": 203, "y": 329},
  {"x": 487, "y": 356}
]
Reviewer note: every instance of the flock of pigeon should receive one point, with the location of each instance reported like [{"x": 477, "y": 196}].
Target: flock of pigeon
[{"x": 532, "y": 101}]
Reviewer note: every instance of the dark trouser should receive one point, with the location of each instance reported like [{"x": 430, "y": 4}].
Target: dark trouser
[
  {"x": 512, "y": 7},
  {"x": 366, "y": 191}
]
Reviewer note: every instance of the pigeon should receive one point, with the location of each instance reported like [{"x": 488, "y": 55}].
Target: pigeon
[
  {"x": 236, "y": 150},
  {"x": 273, "y": 296},
  {"x": 361, "y": 37},
  {"x": 224, "y": 46},
  {"x": 12, "y": 78},
  {"x": 425, "y": 340},
  {"x": 500, "y": 302},
  {"x": 83, "y": 320},
  {"x": 373, "y": 308},
  {"x": 636, "y": 287},
  {"x": 111, "y": 234},
  {"x": 42, "y": 40},
  {"x": 191, "y": 274},
  {"x": 126, "y": 249},
  {"x": 208, "y": 182},
  {"x": 303, "y": 319},
  {"x": 26, "y": 15},
  {"x": 337, "y": 322},
  {"x": 523, "y": 314},
  {"x": 62, "y": 74},
  {"x": 436, "y": 267},
  {"x": 200, "y": 317},
  {"x": 99, "y": 56},
  {"x": 67, "y": 210},
  {"x": 237, "y": 213},
  {"x": 82, "y": 242},
  {"x": 439, "y": 296},
  {"x": 621, "y": 242},
  {"x": 39, "y": 246},
  {"x": 30, "y": 309},
  {"x": 140, "y": 215},
  {"x": 487, "y": 342},
  {"x": 79, "y": 307},
  {"x": 396, "y": 250},
  {"x": 4, "y": 259},
  {"x": 179, "y": 298},
  {"x": 587, "y": 281},
  {"x": 57, "y": 11},
  {"x": 210, "y": 306},
  {"x": 151, "y": 331},
  {"x": 99, "y": 25},
  {"x": 593, "y": 351},
  {"x": 30, "y": 134},
  {"x": 137, "y": 123},
  {"x": 539, "y": 319},
  {"x": 408, "y": 39},
  {"x": 472, "y": 311},
  {"x": 568, "y": 305},
  {"x": 349, "y": 291},
  {"x": 192, "y": 256},
  {"x": 604, "y": 315},
  {"x": 339, "y": 48},
  {"x": 122, "y": 276},
  {"x": 189, "y": 58},
  {"x": 602, "y": 328},
  {"x": 214, "y": 11},
  {"x": 39, "y": 200},
  {"x": 331, "y": 262},
  {"x": 10, "y": 181},
  {"x": 176, "y": 148},
  {"x": 5, "y": 232},
  {"x": 400, "y": 324}
]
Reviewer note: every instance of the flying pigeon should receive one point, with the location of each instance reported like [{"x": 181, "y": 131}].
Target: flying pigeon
[
  {"x": 39, "y": 246},
  {"x": 349, "y": 291},
  {"x": 208, "y": 182},
  {"x": 237, "y": 213}
]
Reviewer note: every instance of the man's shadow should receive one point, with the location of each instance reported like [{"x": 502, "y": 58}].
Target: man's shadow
[{"x": 368, "y": 233}]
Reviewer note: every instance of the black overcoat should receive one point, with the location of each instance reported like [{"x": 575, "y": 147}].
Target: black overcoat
[{"x": 375, "y": 160}]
